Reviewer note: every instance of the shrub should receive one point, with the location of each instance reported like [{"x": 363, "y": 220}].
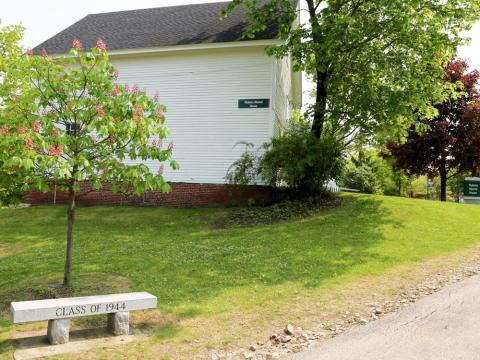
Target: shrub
[
  {"x": 361, "y": 177},
  {"x": 296, "y": 160},
  {"x": 368, "y": 172}
]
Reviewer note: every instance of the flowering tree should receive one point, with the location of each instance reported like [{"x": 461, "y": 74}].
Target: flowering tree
[{"x": 73, "y": 123}]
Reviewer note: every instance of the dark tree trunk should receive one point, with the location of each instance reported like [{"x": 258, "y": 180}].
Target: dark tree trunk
[
  {"x": 69, "y": 253},
  {"x": 320, "y": 105},
  {"x": 321, "y": 75},
  {"x": 443, "y": 179},
  {"x": 443, "y": 188}
]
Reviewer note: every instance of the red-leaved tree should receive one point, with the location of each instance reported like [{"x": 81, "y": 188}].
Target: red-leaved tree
[{"x": 450, "y": 142}]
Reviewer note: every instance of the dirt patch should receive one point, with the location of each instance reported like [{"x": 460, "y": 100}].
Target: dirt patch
[
  {"x": 7, "y": 250},
  {"x": 33, "y": 345}
]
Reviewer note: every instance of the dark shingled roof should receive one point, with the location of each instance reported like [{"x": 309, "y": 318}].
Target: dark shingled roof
[{"x": 164, "y": 26}]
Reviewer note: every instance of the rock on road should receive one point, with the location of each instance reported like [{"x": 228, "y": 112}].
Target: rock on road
[{"x": 445, "y": 325}]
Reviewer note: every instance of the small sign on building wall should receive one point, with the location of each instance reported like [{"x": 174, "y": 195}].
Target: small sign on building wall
[{"x": 253, "y": 103}]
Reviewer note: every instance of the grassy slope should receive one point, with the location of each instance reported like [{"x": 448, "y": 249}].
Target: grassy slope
[{"x": 196, "y": 270}]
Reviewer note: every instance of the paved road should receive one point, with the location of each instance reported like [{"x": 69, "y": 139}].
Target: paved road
[{"x": 445, "y": 325}]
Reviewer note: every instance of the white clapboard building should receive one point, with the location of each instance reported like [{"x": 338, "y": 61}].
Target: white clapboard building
[{"x": 219, "y": 87}]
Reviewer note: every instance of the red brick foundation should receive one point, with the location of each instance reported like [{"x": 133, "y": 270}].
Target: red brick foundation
[{"x": 181, "y": 195}]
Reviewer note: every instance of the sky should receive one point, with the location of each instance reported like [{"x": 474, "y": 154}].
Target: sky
[{"x": 45, "y": 18}]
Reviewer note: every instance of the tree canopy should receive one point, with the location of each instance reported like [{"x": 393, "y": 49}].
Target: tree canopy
[
  {"x": 71, "y": 123},
  {"x": 377, "y": 65}
]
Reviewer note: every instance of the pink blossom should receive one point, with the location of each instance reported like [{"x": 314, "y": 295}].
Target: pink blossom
[
  {"x": 115, "y": 74},
  {"x": 55, "y": 151},
  {"x": 22, "y": 129},
  {"x": 135, "y": 88},
  {"x": 159, "y": 111},
  {"x": 29, "y": 144},
  {"x": 138, "y": 111},
  {"x": 4, "y": 130},
  {"x": 53, "y": 109},
  {"x": 156, "y": 96},
  {"x": 170, "y": 146},
  {"x": 77, "y": 44},
  {"x": 29, "y": 52},
  {"x": 44, "y": 53},
  {"x": 115, "y": 91},
  {"x": 161, "y": 169},
  {"x": 127, "y": 88},
  {"x": 101, "y": 45},
  {"x": 36, "y": 126},
  {"x": 100, "y": 111},
  {"x": 157, "y": 143},
  {"x": 44, "y": 112}
]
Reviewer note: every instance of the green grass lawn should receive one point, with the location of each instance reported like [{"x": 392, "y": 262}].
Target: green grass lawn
[{"x": 197, "y": 270}]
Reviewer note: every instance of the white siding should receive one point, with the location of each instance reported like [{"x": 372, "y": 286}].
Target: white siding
[
  {"x": 282, "y": 94},
  {"x": 201, "y": 90}
]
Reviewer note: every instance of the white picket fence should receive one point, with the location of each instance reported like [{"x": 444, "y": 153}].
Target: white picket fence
[{"x": 332, "y": 186}]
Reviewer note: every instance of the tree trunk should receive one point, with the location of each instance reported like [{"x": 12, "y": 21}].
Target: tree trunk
[
  {"x": 321, "y": 75},
  {"x": 320, "y": 105},
  {"x": 443, "y": 180},
  {"x": 69, "y": 253}
]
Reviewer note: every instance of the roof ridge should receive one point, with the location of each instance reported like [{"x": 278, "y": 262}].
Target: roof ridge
[{"x": 159, "y": 7}]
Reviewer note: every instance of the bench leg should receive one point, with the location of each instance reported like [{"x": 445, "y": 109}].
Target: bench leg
[
  {"x": 58, "y": 331},
  {"x": 118, "y": 323}
]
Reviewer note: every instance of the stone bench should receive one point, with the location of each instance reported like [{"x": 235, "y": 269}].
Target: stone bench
[{"x": 58, "y": 312}]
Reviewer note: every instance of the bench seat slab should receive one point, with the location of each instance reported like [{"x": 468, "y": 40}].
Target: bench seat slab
[{"x": 54, "y": 309}]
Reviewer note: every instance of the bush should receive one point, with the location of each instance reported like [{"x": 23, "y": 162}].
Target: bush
[
  {"x": 361, "y": 177},
  {"x": 368, "y": 172},
  {"x": 296, "y": 160}
]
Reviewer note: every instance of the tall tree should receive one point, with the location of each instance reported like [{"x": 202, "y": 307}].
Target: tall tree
[
  {"x": 73, "y": 124},
  {"x": 447, "y": 143},
  {"x": 375, "y": 63}
]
